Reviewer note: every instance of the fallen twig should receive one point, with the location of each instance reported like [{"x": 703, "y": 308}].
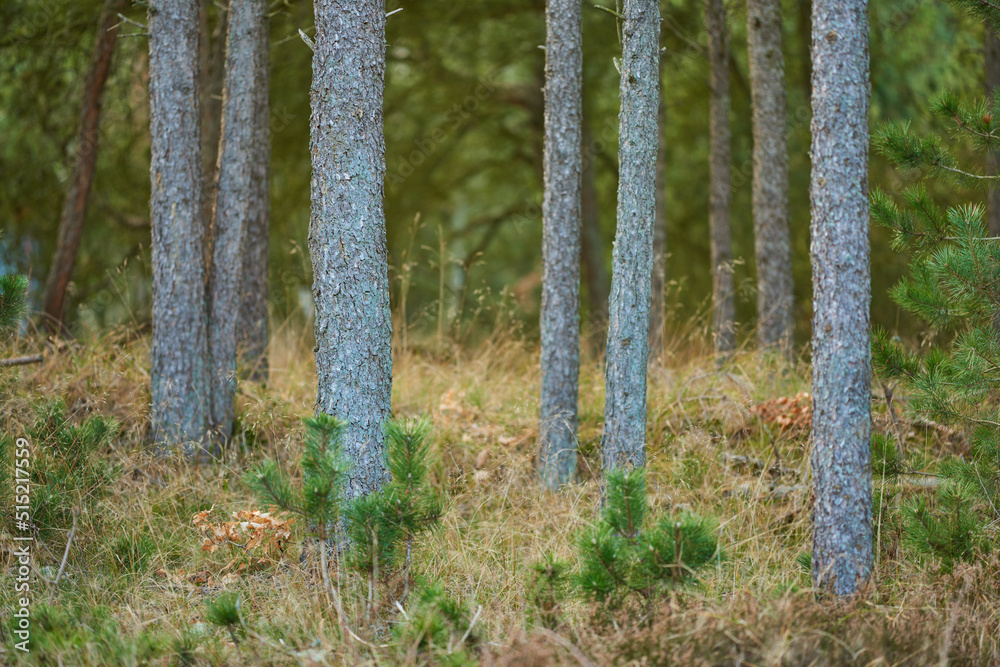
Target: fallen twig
[{"x": 23, "y": 361}]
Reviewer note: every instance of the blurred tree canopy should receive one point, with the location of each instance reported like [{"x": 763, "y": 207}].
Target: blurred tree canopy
[{"x": 463, "y": 123}]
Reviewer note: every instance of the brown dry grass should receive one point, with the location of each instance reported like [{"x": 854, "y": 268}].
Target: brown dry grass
[{"x": 753, "y": 607}]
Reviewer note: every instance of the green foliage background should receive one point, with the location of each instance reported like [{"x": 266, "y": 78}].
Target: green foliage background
[{"x": 473, "y": 174}]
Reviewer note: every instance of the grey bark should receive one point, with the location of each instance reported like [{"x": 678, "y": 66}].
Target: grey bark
[
  {"x": 88, "y": 135},
  {"x": 212, "y": 69},
  {"x": 992, "y": 56},
  {"x": 659, "y": 277},
  {"x": 720, "y": 187},
  {"x": 624, "y": 439},
  {"x": 231, "y": 212},
  {"x": 179, "y": 354},
  {"x": 770, "y": 175},
  {"x": 252, "y": 330},
  {"x": 592, "y": 244},
  {"x": 560, "y": 313},
  {"x": 841, "y": 421},
  {"x": 347, "y": 231}
]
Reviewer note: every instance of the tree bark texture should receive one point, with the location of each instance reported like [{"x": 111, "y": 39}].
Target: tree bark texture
[
  {"x": 720, "y": 188},
  {"x": 212, "y": 71},
  {"x": 624, "y": 440},
  {"x": 595, "y": 271},
  {"x": 88, "y": 136},
  {"x": 179, "y": 354},
  {"x": 252, "y": 329},
  {"x": 770, "y": 175},
  {"x": 347, "y": 231},
  {"x": 560, "y": 313},
  {"x": 841, "y": 421},
  {"x": 659, "y": 277},
  {"x": 236, "y": 172},
  {"x": 992, "y": 56}
]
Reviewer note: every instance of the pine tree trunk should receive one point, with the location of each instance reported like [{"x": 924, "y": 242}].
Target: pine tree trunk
[
  {"x": 624, "y": 440},
  {"x": 720, "y": 198},
  {"x": 770, "y": 175},
  {"x": 347, "y": 231},
  {"x": 231, "y": 212},
  {"x": 252, "y": 329},
  {"x": 85, "y": 160},
  {"x": 211, "y": 73},
  {"x": 592, "y": 245},
  {"x": 992, "y": 57},
  {"x": 659, "y": 278},
  {"x": 560, "y": 316},
  {"x": 179, "y": 354},
  {"x": 841, "y": 422}
]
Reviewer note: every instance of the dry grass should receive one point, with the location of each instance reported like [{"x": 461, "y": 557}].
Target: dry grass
[{"x": 753, "y": 607}]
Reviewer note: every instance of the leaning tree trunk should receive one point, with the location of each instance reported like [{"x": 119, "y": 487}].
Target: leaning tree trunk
[
  {"x": 992, "y": 56},
  {"x": 659, "y": 277},
  {"x": 179, "y": 354},
  {"x": 347, "y": 231},
  {"x": 624, "y": 439},
  {"x": 841, "y": 422},
  {"x": 85, "y": 160},
  {"x": 560, "y": 316},
  {"x": 252, "y": 330},
  {"x": 720, "y": 198},
  {"x": 245, "y": 63},
  {"x": 770, "y": 175}
]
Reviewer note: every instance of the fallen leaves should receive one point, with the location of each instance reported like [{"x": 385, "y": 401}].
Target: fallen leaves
[
  {"x": 258, "y": 539},
  {"x": 788, "y": 412}
]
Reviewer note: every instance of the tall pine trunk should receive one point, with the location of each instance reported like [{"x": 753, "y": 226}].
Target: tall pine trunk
[
  {"x": 231, "y": 214},
  {"x": 347, "y": 231},
  {"x": 252, "y": 331},
  {"x": 624, "y": 440},
  {"x": 841, "y": 422},
  {"x": 560, "y": 315},
  {"x": 992, "y": 57},
  {"x": 657, "y": 310},
  {"x": 88, "y": 135},
  {"x": 770, "y": 175},
  {"x": 720, "y": 168},
  {"x": 179, "y": 354}
]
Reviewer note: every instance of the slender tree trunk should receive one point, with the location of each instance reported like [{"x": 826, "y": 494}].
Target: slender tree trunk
[
  {"x": 720, "y": 198},
  {"x": 770, "y": 175},
  {"x": 592, "y": 245},
  {"x": 560, "y": 315},
  {"x": 253, "y": 332},
  {"x": 841, "y": 422},
  {"x": 624, "y": 440},
  {"x": 347, "y": 231},
  {"x": 179, "y": 354},
  {"x": 85, "y": 160},
  {"x": 231, "y": 213},
  {"x": 659, "y": 278},
  {"x": 211, "y": 73},
  {"x": 992, "y": 56}
]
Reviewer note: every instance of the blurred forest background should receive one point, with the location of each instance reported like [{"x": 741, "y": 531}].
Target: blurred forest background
[{"x": 463, "y": 125}]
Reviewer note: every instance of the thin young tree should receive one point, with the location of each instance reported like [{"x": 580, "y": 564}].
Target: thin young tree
[
  {"x": 560, "y": 315},
  {"x": 179, "y": 354},
  {"x": 720, "y": 190},
  {"x": 770, "y": 175},
  {"x": 347, "y": 232},
  {"x": 84, "y": 162},
  {"x": 624, "y": 440},
  {"x": 231, "y": 214},
  {"x": 991, "y": 56},
  {"x": 841, "y": 347}
]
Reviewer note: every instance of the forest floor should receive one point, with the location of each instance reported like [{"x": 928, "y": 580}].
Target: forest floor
[{"x": 728, "y": 441}]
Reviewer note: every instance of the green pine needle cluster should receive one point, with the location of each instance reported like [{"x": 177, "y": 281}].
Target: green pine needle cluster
[
  {"x": 629, "y": 553},
  {"x": 440, "y": 628},
  {"x": 954, "y": 287},
  {"x": 68, "y": 469},
  {"x": 12, "y": 301}
]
